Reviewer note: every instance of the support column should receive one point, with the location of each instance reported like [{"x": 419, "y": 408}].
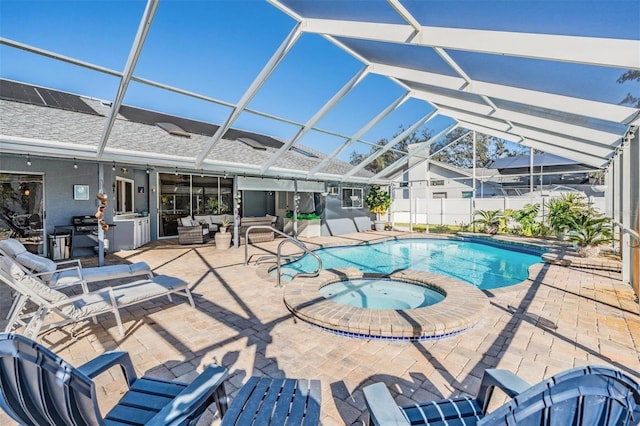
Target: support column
[{"x": 633, "y": 265}]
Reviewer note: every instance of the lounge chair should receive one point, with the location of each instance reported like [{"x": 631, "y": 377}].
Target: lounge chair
[
  {"x": 38, "y": 388},
  {"x": 67, "y": 272},
  {"x": 593, "y": 395},
  {"x": 82, "y": 306}
]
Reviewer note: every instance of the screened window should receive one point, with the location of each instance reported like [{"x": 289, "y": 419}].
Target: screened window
[
  {"x": 439, "y": 195},
  {"x": 352, "y": 198}
]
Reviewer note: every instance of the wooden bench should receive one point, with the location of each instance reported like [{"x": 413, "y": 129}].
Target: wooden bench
[{"x": 263, "y": 400}]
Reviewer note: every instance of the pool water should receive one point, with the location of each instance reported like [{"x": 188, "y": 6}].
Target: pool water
[
  {"x": 381, "y": 294},
  {"x": 481, "y": 265}
]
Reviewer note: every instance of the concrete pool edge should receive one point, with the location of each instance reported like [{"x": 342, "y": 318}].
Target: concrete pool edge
[{"x": 461, "y": 309}]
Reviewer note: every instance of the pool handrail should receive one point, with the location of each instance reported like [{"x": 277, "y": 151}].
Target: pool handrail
[
  {"x": 301, "y": 245},
  {"x": 295, "y": 241},
  {"x": 247, "y": 242}
]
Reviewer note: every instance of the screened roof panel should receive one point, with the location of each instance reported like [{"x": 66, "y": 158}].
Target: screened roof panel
[
  {"x": 402, "y": 55},
  {"x": 307, "y": 83},
  {"x": 370, "y": 10},
  {"x": 315, "y": 75},
  {"x": 569, "y": 79},
  {"x": 578, "y": 17},
  {"x": 371, "y": 96},
  {"x": 580, "y": 120},
  {"x": 187, "y": 46}
]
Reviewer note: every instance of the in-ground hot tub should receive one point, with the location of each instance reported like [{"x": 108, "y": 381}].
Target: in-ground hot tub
[
  {"x": 381, "y": 293},
  {"x": 460, "y": 308}
]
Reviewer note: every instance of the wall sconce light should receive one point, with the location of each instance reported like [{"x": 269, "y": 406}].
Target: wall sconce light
[
  {"x": 75, "y": 163},
  {"x": 148, "y": 169},
  {"x": 113, "y": 167},
  {"x": 28, "y": 159},
  {"x": 201, "y": 173},
  {"x": 27, "y": 192},
  {"x": 176, "y": 171}
]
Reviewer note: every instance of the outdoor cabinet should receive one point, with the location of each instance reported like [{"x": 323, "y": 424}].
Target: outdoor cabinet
[{"x": 131, "y": 233}]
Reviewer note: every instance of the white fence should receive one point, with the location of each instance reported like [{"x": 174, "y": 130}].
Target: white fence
[{"x": 451, "y": 211}]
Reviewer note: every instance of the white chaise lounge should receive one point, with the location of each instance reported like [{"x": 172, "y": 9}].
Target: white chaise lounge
[{"x": 71, "y": 309}]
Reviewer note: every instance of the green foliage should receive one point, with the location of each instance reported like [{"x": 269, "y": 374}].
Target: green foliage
[
  {"x": 303, "y": 216},
  {"x": 225, "y": 222},
  {"x": 591, "y": 229},
  {"x": 489, "y": 219},
  {"x": 526, "y": 217},
  {"x": 378, "y": 200},
  {"x": 563, "y": 210}
]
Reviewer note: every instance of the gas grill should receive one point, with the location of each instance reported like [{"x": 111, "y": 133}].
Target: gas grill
[{"x": 83, "y": 225}]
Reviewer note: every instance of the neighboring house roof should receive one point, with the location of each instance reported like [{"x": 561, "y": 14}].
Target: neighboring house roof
[
  {"x": 548, "y": 162},
  {"x": 76, "y": 122}
]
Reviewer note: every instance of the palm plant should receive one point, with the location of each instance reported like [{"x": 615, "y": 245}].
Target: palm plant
[
  {"x": 563, "y": 210},
  {"x": 489, "y": 219},
  {"x": 590, "y": 230}
]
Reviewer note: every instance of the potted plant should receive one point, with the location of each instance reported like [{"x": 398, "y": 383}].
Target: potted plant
[
  {"x": 223, "y": 238},
  {"x": 379, "y": 202},
  {"x": 489, "y": 219},
  {"x": 591, "y": 230},
  {"x": 224, "y": 223}
]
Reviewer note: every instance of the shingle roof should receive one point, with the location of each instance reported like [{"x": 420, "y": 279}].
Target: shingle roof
[{"x": 135, "y": 130}]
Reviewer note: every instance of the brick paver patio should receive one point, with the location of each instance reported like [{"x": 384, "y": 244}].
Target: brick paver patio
[{"x": 562, "y": 317}]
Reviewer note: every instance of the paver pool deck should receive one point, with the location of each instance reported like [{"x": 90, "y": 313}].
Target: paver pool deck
[{"x": 559, "y": 318}]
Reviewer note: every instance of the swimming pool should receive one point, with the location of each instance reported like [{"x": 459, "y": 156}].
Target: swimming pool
[{"x": 481, "y": 265}]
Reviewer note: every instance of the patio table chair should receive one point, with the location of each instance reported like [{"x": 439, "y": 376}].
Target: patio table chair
[
  {"x": 591, "y": 395},
  {"x": 72, "y": 309},
  {"x": 38, "y": 388}
]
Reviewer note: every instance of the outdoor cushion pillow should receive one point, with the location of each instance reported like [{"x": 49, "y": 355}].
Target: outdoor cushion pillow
[
  {"x": 21, "y": 278},
  {"x": 12, "y": 247}
]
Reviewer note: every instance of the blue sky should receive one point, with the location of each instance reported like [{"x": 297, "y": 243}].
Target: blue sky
[{"x": 217, "y": 48}]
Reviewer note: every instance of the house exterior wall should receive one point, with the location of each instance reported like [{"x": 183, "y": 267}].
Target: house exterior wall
[{"x": 59, "y": 178}]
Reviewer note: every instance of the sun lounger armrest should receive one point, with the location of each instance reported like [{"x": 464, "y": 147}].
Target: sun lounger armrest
[
  {"x": 206, "y": 389},
  {"x": 383, "y": 410},
  {"x": 64, "y": 262},
  {"x": 103, "y": 362},
  {"x": 508, "y": 382}
]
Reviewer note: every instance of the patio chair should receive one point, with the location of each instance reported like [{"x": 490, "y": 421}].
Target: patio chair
[
  {"x": 72, "y": 309},
  {"x": 190, "y": 231},
  {"x": 590, "y": 395},
  {"x": 39, "y": 388}
]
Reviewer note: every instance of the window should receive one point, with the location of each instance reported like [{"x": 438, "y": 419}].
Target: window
[
  {"x": 124, "y": 195},
  {"x": 467, "y": 194},
  {"x": 334, "y": 190},
  {"x": 352, "y": 198},
  {"x": 439, "y": 182},
  {"x": 437, "y": 195}
]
